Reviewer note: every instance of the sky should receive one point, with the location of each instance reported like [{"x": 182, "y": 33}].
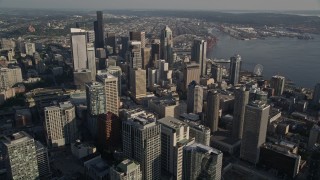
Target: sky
[{"x": 166, "y": 4}]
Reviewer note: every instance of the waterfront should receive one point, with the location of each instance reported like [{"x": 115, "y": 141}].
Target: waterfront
[{"x": 298, "y": 60}]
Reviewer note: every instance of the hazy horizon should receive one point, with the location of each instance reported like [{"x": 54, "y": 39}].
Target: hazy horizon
[{"x": 258, "y": 5}]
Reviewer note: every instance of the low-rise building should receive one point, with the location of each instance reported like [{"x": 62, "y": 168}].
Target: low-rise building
[{"x": 81, "y": 150}]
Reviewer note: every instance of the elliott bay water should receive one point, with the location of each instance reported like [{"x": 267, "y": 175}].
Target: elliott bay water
[{"x": 297, "y": 60}]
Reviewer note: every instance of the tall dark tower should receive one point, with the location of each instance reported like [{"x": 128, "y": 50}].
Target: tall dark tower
[
  {"x": 241, "y": 100},
  {"x": 99, "y": 30},
  {"x": 235, "y": 65},
  {"x": 213, "y": 106}
]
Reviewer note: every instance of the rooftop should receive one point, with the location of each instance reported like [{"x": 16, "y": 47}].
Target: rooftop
[
  {"x": 164, "y": 101},
  {"x": 105, "y": 74},
  {"x": 258, "y": 104},
  {"x": 98, "y": 165},
  {"x": 127, "y": 165},
  {"x": 202, "y": 148},
  {"x": 190, "y": 116},
  {"x": 16, "y": 138},
  {"x": 225, "y": 137},
  {"x": 172, "y": 122},
  {"x": 141, "y": 122}
]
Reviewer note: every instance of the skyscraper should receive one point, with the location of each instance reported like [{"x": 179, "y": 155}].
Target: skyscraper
[
  {"x": 92, "y": 62},
  {"x": 96, "y": 98},
  {"x": 235, "y": 66},
  {"x": 83, "y": 54},
  {"x": 142, "y": 142},
  {"x": 134, "y": 57},
  {"x": 199, "y": 54},
  {"x": 155, "y": 51},
  {"x": 241, "y": 100},
  {"x": 254, "y": 130},
  {"x": 60, "y": 124},
  {"x": 201, "y": 162},
  {"x": 99, "y": 30},
  {"x": 213, "y": 107},
  {"x": 194, "y": 98},
  {"x": 138, "y": 85},
  {"x": 216, "y": 72},
  {"x": 112, "y": 42},
  {"x": 277, "y": 83},
  {"x": 138, "y": 36},
  {"x": 109, "y": 131},
  {"x": 146, "y": 54},
  {"x": 166, "y": 45},
  {"x": 191, "y": 72},
  {"x": 20, "y": 157},
  {"x": 79, "y": 49},
  {"x": 117, "y": 72},
  {"x": 174, "y": 136},
  {"x": 316, "y": 94},
  {"x": 110, "y": 83}
]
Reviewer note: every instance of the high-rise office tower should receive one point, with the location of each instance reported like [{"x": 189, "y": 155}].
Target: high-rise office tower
[
  {"x": 213, "y": 107},
  {"x": 117, "y": 72},
  {"x": 201, "y": 162},
  {"x": 20, "y": 156},
  {"x": 96, "y": 98},
  {"x": 166, "y": 45},
  {"x": 99, "y": 30},
  {"x": 134, "y": 57},
  {"x": 92, "y": 62},
  {"x": 79, "y": 49},
  {"x": 216, "y": 72},
  {"x": 124, "y": 46},
  {"x": 138, "y": 36},
  {"x": 111, "y": 41},
  {"x": 141, "y": 140},
  {"x": 109, "y": 131},
  {"x": 155, "y": 51},
  {"x": 195, "y": 98},
  {"x": 126, "y": 170},
  {"x": 152, "y": 78},
  {"x": 191, "y": 72},
  {"x": 241, "y": 98},
  {"x": 316, "y": 94},
  {"x": 277, "y": 83},
  {"x": 146, "y": 54},
  {"x": 138, "y": 84},
  {"x": 235, "y": 67},
  {"x": 199, "y": 54},
  {"x": 174, "y": 136},
  {"x": 110, "y": 83},
  {"x": 60, "y": 124},
  {"x": 43, "y": 161},
  {"x": 254, "y": 130},
  {"x": 84, "y": 61}
]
